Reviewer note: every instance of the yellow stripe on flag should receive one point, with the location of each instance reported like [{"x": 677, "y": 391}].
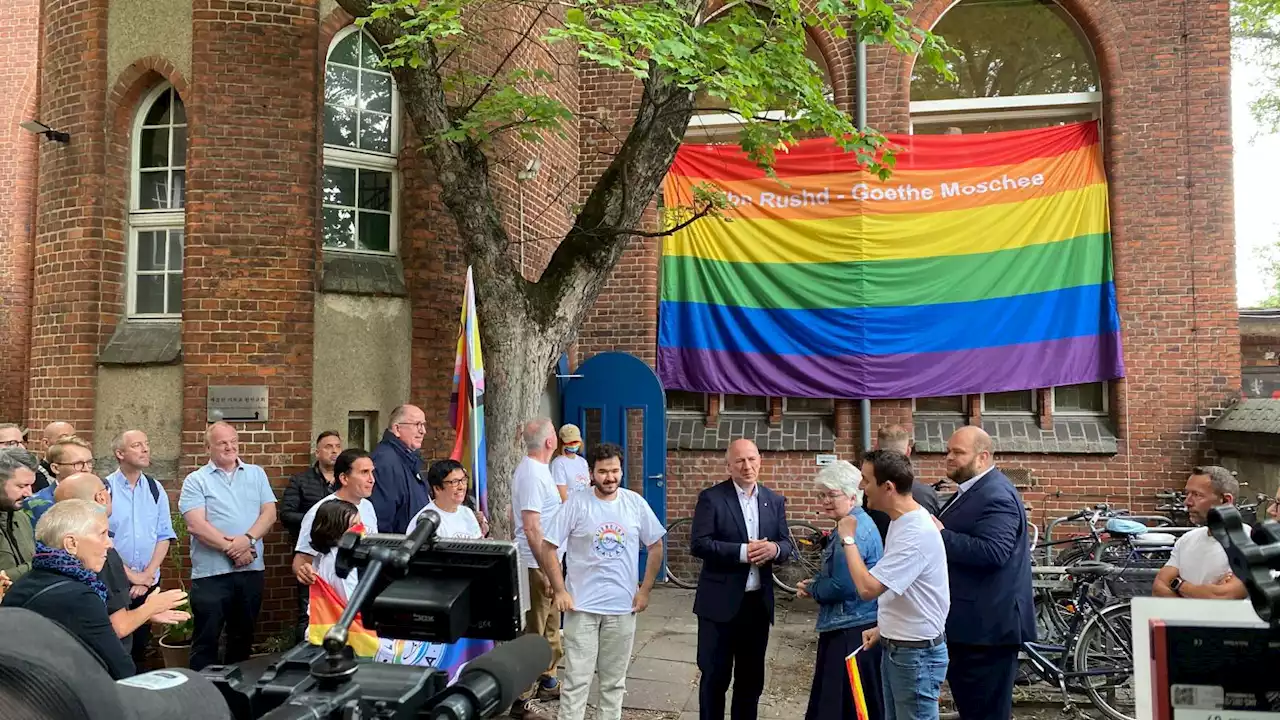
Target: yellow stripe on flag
[{"x": 855, "y": 684}]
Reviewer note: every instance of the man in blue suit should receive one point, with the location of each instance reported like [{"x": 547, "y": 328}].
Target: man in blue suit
[
  {"x": 739, "y": 532},
  {"x": 984, "y": 529}
]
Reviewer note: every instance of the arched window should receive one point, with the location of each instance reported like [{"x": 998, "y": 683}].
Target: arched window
[
  {"x": 361, "y": 139},
  {"x": 1026, "y": 64},
  {"x": 156, "y": 208}
]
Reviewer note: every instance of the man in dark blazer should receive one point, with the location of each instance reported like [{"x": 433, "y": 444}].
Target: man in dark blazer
[
  {"x": 739, "y": 532},
  {"x": 984, "y": 529}
]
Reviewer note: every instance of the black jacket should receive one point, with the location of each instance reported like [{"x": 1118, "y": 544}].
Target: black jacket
[
  {"x": 76, "y": 607},
  {"x": 924, "y": 495},
  {"x": 305, "y": 490}
]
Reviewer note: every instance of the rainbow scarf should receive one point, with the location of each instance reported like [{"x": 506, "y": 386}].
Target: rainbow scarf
[{"x": 982, "y": 265}]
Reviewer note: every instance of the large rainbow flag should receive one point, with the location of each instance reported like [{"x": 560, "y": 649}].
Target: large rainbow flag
[
  {"x": 466, "y": 403},
  {"x": 983, "y": 264}
]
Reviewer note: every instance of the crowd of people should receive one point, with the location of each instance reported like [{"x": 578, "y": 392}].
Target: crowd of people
[{"x": 916, "y": 591}]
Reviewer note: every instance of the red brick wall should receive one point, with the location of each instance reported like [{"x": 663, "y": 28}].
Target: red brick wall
[
  {"x": 1167, "y": 140},
  {"x": 69, "y": 214},
  {"x": 19, "y": 76},
  {"x": 252, "y": 204}
]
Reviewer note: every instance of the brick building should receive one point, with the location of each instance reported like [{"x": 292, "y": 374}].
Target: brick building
[{"x": 239, "y": 204}]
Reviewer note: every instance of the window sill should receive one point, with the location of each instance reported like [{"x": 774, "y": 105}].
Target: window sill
[
  {"x": 143, "y": 342},
  {"x": 792, "y": 434},
  {"x": 362, "y": 274},
  {"x": 1069, "y": 436}
]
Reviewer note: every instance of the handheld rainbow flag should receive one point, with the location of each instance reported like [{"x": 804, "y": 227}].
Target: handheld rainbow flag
[
  {"x": 466, "y": 403},
  {"x": 983, "y": 264},
  {"x": 855, "y": 684}
]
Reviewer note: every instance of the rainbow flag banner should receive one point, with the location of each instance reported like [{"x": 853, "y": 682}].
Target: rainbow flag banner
[
  {"x": 466, "y": 403},
  {"x": 983, "y": 264}
]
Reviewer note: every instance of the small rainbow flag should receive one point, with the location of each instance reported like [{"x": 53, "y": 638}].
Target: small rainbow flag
[
  {"x": 982, "y": 265},
  {"x": 855, "y": 684},
  {"x": 466, "y": 403}
]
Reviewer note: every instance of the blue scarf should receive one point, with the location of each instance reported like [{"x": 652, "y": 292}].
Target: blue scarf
[{"x": 64, "y": 563}]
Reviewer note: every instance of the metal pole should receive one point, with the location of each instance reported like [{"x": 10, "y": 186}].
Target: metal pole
[{"x": 860, "y": 115}]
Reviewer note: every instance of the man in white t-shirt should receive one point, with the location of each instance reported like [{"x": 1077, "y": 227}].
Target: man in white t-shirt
[
  {"x": 912, "y": 586},
  {"x": 534, "y": 504},
  {"x": 569, "y": 469},
  {"x": 602, "y": 531},
  {"x": 353, "y": 474},
  {"x": 1198, "y": 566}
]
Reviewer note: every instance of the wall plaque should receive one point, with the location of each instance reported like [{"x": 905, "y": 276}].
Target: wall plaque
[{"x": 237, "y": 403}]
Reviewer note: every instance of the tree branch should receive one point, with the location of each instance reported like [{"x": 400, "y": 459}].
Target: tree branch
[{"x": 511, "y": 51}]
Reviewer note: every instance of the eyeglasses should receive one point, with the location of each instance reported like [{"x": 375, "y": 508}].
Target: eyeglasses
[
  {"x": 454, "y": 483},
  {"x": 12, "y": 443},
  {"x": 418, "y": 425},
  {"x": 81, "y": 465}
]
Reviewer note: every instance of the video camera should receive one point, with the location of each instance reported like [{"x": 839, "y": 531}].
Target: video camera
[
  {"x": 411, "y": 587},
  {"x": 1254, "y": 558}
]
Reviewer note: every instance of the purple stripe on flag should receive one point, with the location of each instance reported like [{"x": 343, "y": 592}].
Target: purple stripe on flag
[{"x": 1068, "y": 361}]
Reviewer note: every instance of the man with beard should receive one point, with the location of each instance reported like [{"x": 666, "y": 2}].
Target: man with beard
[
  {"x": 17, "y": 537},
  {"x": 602, "y": 530},
  {"x": 984, "y": 530},
  {"x": 1198, "y": 566}
]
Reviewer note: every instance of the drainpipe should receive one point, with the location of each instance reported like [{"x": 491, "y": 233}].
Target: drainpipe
[{"x": 860, "y": 115}]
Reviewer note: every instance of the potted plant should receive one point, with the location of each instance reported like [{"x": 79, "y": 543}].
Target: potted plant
[{"x": 175, "y": 644}]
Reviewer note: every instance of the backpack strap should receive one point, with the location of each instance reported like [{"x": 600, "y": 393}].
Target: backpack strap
[
  {"x": 44, "y": 590},
  {"x": 155, "y": 488}
]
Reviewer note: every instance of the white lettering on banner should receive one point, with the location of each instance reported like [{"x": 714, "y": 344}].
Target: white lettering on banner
[
  {"x": 864, "y": 192},
  {"x": 1000, "y": 184}
]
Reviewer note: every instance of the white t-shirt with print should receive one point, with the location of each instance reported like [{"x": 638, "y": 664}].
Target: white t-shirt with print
[
  {"x": 1200, "y": 558},
  {"x": 914, "y": 570},
  {"x": 461, "y": 523},
  {"x": 603, "y": 540},
  {"x": 571, "y": 472},
  {"x": 532, "y": 489},
  {"x": 368, "y": 518}
]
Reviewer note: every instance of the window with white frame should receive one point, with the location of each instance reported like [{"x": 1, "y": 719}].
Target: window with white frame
[
  {"x": 157, "y": 206},
  {"x": 1013, "y": 402},
  {"x": 808, "y": 406},
  {"x": 685, "y": 402},
  {"x": 942, "y": 405},
  {"x": 1003, "y": 81},
  {"x": 361, "y": 139},
  {"x": 362, "y": 428},
  {"x": 1083, "y": 399},
  {"x": 744, "y": 405}
]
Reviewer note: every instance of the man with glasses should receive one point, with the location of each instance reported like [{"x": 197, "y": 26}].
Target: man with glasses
[
  {"x": 12, "y": 436},
  {"x": 66, "y": 457},
  {"x": 399, "y": 492}
]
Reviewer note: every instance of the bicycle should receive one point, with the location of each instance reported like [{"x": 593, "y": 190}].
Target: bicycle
[
  {"x": 1097, "y": 646},
  {"x": 682, "y": 568}
]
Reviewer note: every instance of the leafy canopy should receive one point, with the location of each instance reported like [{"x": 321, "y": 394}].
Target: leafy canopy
[
  {"x": 1255, "y": 25},
  {"x": 749, "y": 59}
]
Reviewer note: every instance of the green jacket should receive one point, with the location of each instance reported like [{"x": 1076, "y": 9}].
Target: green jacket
[{"x": 17, "y": 544}]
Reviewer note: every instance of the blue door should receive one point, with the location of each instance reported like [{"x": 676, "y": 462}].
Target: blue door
[{"x": 611, "y": 384}]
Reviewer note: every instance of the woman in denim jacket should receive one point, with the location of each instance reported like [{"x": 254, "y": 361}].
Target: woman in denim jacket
[{"x": 842, "y": 615}]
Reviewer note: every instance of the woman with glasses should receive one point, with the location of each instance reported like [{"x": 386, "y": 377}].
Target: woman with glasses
[
  {"x": 842, "y": 615},
  {"x": 448, "y": 481}
]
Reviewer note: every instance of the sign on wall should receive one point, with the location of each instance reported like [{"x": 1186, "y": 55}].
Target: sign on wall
[{"x": 237, "y": 403}]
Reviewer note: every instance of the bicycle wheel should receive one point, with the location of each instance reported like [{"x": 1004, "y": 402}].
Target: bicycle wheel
[
  {"x": 681, "y": 566},
  {"x": 1104, "y": 654},
  {"x": 808, "y": 542}
]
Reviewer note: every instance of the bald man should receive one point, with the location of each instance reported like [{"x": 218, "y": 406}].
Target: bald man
[
  {"x": 158, "y": 607},
  {"x": 52, "y": 432},
  {"x": 739, "y": 531},
  {"x": 984, "y": 530}
]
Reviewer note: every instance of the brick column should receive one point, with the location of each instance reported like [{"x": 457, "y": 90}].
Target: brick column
[
  {"x": 67, "y": 270},
  {"x": 252, "y": 207}
]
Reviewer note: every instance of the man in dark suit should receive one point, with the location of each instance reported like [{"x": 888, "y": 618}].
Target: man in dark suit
[
  {"x": 739, "y": 532},
  {"x": 898, "y": 439},
  {"x": 984, "y": 529}
]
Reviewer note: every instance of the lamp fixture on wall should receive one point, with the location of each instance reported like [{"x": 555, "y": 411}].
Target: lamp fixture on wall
[{"x": 40, "y": 128}]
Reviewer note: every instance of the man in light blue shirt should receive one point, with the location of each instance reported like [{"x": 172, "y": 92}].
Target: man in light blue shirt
[
  {"x": 140, "y": 524},
  {"x": 228, "y": 506}
]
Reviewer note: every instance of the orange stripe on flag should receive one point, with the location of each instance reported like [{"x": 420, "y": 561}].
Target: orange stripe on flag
[{"x": 855, "y": 684}]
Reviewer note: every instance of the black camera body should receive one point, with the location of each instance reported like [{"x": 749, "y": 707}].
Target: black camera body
[{"x": 411, "y": 587}]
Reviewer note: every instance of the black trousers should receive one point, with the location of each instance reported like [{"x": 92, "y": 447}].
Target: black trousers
[
  {"x": 831, "y": 696},
  {"x": 733, "y": 652},
  {"x": 304, "y": 599},
  {"x": 981, "y": 679},
  {"x": 231, "y": 602}
]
